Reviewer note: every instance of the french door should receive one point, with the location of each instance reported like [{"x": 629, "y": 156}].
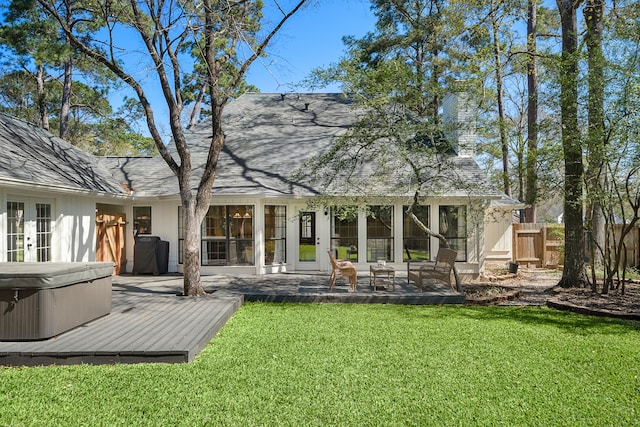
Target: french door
[
  {"x": 29, "y": 230},
  {"x": 308, "y": 241}
]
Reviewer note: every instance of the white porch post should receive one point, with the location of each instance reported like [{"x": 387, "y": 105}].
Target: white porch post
[
  {"x": 362, "y": 236},
  {"x": 259, "y": 240},
  {"x": 434, "y": 212},
  {"x": 398, "y": 230}
]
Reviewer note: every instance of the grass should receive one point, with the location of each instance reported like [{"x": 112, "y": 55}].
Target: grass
[{"x": 378, "y": 365}]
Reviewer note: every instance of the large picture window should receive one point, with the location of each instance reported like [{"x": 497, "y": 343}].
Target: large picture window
[
  {"x": 227, "y": 236},
  {"x": 275, "y": 230},
  {"x": 344, "y": 232},
  {"x": 416, "y": 243},
  {"x": 379, "y": 233},
  {"x": 452, "y": 224}
]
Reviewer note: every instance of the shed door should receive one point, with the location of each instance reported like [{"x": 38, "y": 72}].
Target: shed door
[{"x": 29, "y": 230}]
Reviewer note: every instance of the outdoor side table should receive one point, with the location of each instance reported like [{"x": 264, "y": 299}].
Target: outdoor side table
[{"x": 378, "y": 270}]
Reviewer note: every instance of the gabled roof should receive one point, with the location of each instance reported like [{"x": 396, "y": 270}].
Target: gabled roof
[
  {"x": 32, "y": 156},
  {"x": 268, "y": 137}
]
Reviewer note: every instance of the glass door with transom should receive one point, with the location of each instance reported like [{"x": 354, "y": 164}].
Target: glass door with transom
[
  {"x": 29, "y": 230},
  {"x": 308, "y": 241}
]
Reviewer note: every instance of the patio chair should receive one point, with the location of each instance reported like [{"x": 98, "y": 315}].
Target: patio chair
[
  {"x": 439, "y": 271},
  {"x": 342, "y": 268}
]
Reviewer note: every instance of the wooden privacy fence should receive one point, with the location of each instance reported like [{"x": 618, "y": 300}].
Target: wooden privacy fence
[{"x": 542, "y": 245}]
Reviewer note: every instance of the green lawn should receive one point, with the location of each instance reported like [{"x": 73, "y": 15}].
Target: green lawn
[{"x": 331, "y": 364}]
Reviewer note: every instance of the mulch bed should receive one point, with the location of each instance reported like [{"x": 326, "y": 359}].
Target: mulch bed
[
  {"x": 485, "y": 294},
  {"x": 503, "y": 288},
  {"x": 614, "y": 304}
]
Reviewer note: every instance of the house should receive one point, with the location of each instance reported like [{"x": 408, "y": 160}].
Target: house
[
  {"x": 49, "y": 191},
  {"x": 61, "y": 204}
]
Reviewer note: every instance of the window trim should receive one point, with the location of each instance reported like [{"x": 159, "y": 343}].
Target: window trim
[{"x": 228, "y": 239}]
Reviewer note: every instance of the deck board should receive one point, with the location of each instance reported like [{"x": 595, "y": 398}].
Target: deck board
[{"x": 145, "y": 328}]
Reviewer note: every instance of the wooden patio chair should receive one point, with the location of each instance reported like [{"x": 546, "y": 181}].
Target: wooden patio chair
[
  {"x": 438, "y": 271},
  {"x": 342, "y": 268}
]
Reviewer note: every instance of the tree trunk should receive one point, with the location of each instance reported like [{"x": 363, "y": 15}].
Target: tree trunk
[
  {"x": 42, "y": 107},
  {"x": 65, "y": 104},
  {"x": 197, "y": 106},
  {"x": 500, "y": 99},
  {"x": 192, "y": 285},
  {"x": 443, "y": 240},
  {"x": 596, "y": 172},
  {"x": 531, "y": 194},
  {"x": 573, "y": 274}
]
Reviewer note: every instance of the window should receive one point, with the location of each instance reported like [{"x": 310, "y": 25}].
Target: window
[
  {"x": 379, "y": 233},
  {"x": 452, "y": 224},
  {"x": 214, "y": 236},
  {"x": 43, "y": 232},
  {"x": 416, "y": 243},
  {"x": 275, "y": 230},
  {"x": 227, "y": 236},
  {"x": 344, "y": 232},
  {"x": 15, "y": 231},
  {"x": 240, "y": 235},
  {"x": 142, "y": 219}
]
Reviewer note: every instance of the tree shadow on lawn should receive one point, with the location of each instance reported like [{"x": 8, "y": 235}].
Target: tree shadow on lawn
[{"x": 578, "y": 324}]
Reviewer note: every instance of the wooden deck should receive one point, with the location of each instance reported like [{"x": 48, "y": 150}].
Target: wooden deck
[
  {"x": 141, "y": 328},
  {"x": 150, "y": 322}
]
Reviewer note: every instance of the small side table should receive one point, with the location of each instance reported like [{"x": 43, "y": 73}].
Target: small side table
[{"x": 377, "y": 270}]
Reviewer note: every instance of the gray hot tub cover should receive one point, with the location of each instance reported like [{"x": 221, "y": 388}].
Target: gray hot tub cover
[{"x": 47, "y": 275}]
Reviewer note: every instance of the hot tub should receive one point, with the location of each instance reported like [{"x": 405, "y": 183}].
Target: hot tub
[{"x": 42, "y": 300}]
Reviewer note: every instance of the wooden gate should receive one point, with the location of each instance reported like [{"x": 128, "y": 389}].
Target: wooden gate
[
  {"x": 538, "y": 245},
  {"x": 110, "y": 240}
]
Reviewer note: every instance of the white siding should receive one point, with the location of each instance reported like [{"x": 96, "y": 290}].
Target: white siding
[
  {"x": 3, "y": 226},
  {"x": 75, "y": 232},
  {"x": 498, "y": 236},
  {"x": 75, "y": 229}
]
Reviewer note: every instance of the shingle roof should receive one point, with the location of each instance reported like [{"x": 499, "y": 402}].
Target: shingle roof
[
  {"x": 32, "y": 155},
  {"x": 268, "y": 137},
  {"x": 143, "y": 176},
  {"x": 266, "y": 140}
]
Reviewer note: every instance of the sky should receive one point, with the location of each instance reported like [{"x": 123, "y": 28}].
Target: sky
[{"x": 310, "y": 39}]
